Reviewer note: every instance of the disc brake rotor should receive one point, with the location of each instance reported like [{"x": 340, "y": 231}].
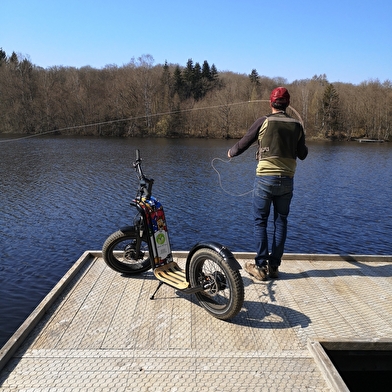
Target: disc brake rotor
[{"x": 215, "y": 282}]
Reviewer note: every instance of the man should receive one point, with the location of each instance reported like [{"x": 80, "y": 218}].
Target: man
[{"x": 281, "y": 139}]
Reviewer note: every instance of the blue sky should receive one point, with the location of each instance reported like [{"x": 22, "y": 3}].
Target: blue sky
[{"x": 349, "y": 41}]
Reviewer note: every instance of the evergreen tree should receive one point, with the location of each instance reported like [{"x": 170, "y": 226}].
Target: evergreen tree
[
  {"x": 188, "y": 76},
  {"x": 188, "y": 71},
  {"x": 214, "y": 75},
  {"x": 178, "y": 82},
  {"x": 14, "y": 59},
  {"x": 167, "y": 87},
  {"x": 255, "y": 83},
  {"x": 197, "y": 87},
  {"x": 254, "y": 77},
  {"x": 206, "y": 71},
  {"x": 206, "y": 79},
  {"x": 3, "y": 56},
  {"x": 331, "y": 111},
  {"x": 166, "y": 77}
]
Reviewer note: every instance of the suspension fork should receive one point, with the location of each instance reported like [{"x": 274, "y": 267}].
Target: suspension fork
[{"x": 142, "y": 230}]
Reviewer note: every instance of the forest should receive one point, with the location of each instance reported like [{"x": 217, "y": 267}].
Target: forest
[{"x": 168, "y": 100}]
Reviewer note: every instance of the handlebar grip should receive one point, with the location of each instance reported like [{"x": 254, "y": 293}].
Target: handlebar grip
[{"x": 137, "y": 155}]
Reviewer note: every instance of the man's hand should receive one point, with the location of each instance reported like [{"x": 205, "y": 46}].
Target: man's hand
[{"x": 228, "y": 154}]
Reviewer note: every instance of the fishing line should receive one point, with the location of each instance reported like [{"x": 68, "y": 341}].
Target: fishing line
[
  {"x": 140, "y": 117},
  {"x": 220, "y": 179},
  {"x": 129, "y": 119}
]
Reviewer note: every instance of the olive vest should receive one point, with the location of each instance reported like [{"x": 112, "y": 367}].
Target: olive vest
[{"x": 278, "y": 137}]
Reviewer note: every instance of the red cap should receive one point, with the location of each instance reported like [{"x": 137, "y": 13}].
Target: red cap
[{"x": 281, "y": 96}]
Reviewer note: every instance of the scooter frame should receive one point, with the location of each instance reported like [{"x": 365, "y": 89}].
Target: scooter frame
[{"x": 164, "y": 268}]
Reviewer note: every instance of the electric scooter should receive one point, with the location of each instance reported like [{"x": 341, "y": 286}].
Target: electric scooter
[{"x": 211, "y": 271}]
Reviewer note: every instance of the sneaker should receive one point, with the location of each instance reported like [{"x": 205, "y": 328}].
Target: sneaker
[
  {"x": 273, "y": 272},
  {"x": 260, "y": 273}
]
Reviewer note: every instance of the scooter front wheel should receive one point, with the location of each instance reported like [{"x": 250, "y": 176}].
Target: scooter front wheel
[
  {"x": 121, "y": 253},
  {"x": 223, "y": 293}
]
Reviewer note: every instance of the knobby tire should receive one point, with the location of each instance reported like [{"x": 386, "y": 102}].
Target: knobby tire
[{"x": 225, "y": 300}]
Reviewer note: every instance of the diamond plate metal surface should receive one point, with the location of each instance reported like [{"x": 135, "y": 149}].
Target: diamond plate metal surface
[{"x": 104, "y": 333}]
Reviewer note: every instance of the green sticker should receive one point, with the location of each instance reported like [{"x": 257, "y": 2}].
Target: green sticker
[{"x": 160, "y": 239}]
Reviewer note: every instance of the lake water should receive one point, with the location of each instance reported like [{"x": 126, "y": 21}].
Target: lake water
[{"x": 60, "y": 196}]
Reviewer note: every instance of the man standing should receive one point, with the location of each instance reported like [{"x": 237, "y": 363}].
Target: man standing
[{"x": 281, "y": 139}]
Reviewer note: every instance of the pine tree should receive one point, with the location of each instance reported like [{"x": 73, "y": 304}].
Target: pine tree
[
  {"x": 254, "y": 77},
  {"x": 206, "y": 71},
  {"x": 214, "y": 75},
  {"x": 167, "y": 88},
  {"x": 14, "y": 59},
  {"x": 188, "y": 79},
  {"x": 3, "y": 56},
  {"x": 178, "y": 82},
  {"x": 331, "y": 112},
  {"x": 197, "y": 88}
]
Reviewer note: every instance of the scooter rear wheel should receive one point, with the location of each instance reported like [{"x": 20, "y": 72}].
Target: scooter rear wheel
[
  {"x": 120, "y": 253},
  {"x": 223, "y": 296}
]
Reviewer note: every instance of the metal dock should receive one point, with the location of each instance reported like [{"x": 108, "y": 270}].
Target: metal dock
[{"x": 98, "y": 330}]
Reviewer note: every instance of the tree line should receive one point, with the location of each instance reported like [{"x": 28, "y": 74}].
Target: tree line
[{"x": 146, "y": 100}]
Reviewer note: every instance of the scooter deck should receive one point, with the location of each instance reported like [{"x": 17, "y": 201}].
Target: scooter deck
[{"x": 172, "y": 275}]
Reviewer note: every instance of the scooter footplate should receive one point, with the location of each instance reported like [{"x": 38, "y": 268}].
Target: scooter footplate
[{"x": 172, "y": 275}]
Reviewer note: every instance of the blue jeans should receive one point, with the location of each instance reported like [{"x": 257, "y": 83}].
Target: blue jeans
[{"x": 278, "y": 191}]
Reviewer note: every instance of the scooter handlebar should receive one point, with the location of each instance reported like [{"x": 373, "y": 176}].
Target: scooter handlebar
[
  {"x": 138, "y": 165},
  {"x": 145, "y": 184}
]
